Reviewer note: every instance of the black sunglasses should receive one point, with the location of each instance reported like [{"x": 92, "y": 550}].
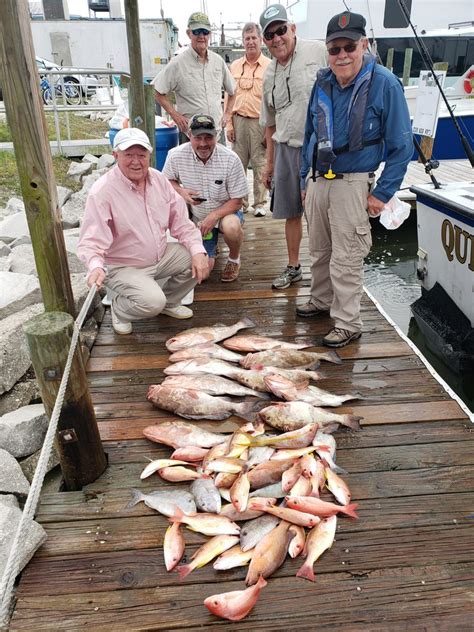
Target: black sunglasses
[
  {"x": 280, "y": 31},
  {"x": 197, "y": 32},
  {"x": 335, "y": 50}
]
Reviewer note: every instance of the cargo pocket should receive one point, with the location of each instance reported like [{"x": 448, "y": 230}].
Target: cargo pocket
[{"x": 362, "y": 241}]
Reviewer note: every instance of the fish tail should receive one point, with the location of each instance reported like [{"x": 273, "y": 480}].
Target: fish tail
[
  {"x": 261, "y": 582},
  {"x": 350, "y": 510},
  {"x": 337, "y": 469},
  {"x": 247, "y": 322},
  {"x": 137, "y": 496},
  {"x": 331, "y": 356},
  {"x": 306, "y": 571},
  {"x": 352, "y": 422},
  {"x": 249, "y": 410},
  {"x": 183, "y": 571}
]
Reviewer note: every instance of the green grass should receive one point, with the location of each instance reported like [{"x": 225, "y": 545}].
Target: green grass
[{"x": 81, "y": 128}]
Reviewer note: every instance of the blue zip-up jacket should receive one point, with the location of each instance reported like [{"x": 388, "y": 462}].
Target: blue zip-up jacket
[{"x": 386, "y": 118}]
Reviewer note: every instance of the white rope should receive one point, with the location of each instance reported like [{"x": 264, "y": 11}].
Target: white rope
[
  {"x": 11, "y": 569},
  {"x": 415, "y": 349}
]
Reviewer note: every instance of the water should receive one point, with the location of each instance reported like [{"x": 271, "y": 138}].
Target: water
[{"x": 390, "y": 275}]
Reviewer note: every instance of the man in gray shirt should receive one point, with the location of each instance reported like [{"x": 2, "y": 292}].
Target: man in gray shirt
[
  {"x": 197, "y": 77},
  {"x": 287, "y": 86}
]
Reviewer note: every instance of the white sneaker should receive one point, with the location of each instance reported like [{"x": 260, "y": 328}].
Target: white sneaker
[
  {"x": 259, "y": 211},
  {"x": 120, "y": 327},
  {"x": 180, "y": 311}
]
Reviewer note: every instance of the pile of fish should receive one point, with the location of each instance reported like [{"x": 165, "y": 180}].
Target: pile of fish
[{"x": 255, "y": 493}]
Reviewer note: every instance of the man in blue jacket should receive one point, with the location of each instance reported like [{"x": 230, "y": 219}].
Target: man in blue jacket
[{"x": 357, "y": 113}]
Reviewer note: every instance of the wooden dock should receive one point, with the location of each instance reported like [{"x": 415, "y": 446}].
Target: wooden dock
[{"x": 406, "y": 564}]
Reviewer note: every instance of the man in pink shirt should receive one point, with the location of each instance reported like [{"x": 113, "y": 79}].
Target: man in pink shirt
[{"x": 123, "y": 237}]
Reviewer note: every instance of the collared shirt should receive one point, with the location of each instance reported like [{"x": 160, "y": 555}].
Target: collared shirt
[
  {"x": 219, "y": 180},
  {"x": 125, "y": 226},
  {"x": 286, "y": 91},
  {"x": 387, "y": 118},
  {"x": 197, "y": 86},
  {"x": 249, "y": 80}
]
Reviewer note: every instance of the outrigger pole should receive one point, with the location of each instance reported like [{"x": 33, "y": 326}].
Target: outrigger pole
[{"x": 426, "y": 58}]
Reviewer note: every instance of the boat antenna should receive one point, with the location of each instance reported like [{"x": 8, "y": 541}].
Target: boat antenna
[{"x": 427, "y": 60}]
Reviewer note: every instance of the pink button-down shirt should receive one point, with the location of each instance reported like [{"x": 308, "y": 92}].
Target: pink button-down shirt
[{"x": 124, "y": 226}]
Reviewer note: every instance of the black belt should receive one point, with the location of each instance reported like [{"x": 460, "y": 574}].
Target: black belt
[{"x": 339, "y": 176}]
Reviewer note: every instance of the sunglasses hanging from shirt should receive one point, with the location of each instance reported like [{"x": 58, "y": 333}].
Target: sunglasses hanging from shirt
[
  {"x": 277, "y": 106},
  {"x": 246, "y": 83}
]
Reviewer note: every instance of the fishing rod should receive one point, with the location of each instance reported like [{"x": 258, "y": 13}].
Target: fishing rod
[{"x": 427, "y": 60}]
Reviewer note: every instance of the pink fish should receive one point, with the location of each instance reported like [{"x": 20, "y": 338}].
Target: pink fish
[
  {"x": 319, "y": 540},
  {"x": 206, "y": 523},
  {"x": 201, "y": 335},
  {"x": 173, "y": 546},
  {"x": 338, "y": 488},
  {"x": 287, "y": 514},
  {"x": 319, "y": 507},
  {"x": 191, "y": 454},
  {"x": 178, "y": 474},
  {"x": 250, "y": 343},
  {"x": 298, "y": 542},
  {"x": 237, "y": 604}
]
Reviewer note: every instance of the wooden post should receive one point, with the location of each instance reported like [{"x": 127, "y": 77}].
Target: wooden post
[
  {"x": 136, "y": 90},
  {"x": 25, "y": 114},
  {"x": 426, "y": 142},
  {"x": 407, "y": 66},
  {"x": 150, "y": 119},
  {"x": 389, "y": 61},
  {"x": 78, "y": 442}
]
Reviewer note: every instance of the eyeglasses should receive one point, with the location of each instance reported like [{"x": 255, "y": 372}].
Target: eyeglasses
[
  {"x": 197, "y": 32},
  {"x": 246, "y": 83},
  {"x": 202, "y": 122},
  {"x": 280, "y": 31},
  {"x": 335, "y": 50},
  {"x": 278, "y": 108}
]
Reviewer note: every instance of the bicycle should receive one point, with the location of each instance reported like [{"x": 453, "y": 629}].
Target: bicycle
[{"x": 62, "y": 90}]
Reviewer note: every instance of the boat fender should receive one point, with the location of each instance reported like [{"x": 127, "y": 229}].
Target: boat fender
[{"x": 469, "y": 82}]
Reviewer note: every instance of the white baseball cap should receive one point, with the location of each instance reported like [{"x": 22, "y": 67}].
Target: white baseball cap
[{"x": 131, "y": 136}]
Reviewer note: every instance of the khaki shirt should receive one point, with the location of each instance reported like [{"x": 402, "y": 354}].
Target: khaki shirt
[
  {"x": 249, "y": 80},
  {"x": 286, "y": 91},
  {"x": 197, "y": 86}
]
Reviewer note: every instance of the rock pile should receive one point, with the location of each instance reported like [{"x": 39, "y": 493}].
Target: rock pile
[{"x": 23, "y": 422}]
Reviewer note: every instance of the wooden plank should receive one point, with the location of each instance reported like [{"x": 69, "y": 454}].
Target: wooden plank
[
  {"x": 393, "y": 596},
  {"x": 360, "y": 556}
]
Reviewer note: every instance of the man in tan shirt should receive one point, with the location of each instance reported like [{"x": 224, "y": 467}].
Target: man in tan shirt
[{"x": 244, "y": 129}]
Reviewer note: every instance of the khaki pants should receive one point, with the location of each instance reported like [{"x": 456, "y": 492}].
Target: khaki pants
[
  {"x": 139, "y": 295},
  {"x": 249, "y": 137},
  {"x": 339, "y": 239}
]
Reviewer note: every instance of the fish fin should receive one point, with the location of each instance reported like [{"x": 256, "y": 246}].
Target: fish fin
[
  {"x": 314, "y": 365},
  {"x": 248, "y": 322},
  {"x": 331, "y": 356},
  {"x": 330, "y": 428},
  {"x": 338, "y": 470},
  {"x": 183, "y": 571},
  {"x": 137, "y": 496},
  {"x": 306, "y": 571},
  {"x": 261, "y": 583},
  {"x": 349, "y": 510}
]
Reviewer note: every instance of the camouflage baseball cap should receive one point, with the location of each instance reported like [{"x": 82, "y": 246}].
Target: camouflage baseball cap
[{"x": 198, "y": 21}]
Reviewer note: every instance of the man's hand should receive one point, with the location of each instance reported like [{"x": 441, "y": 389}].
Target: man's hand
[
  {"x": 200, "y": 266},
  {"x": 208, "y": 223},
  {"x": 267, "y": 176},
  {"x": 96, "y": 277},
  {"x": 374, "y": 206},
  {"x": 225, "y": 119},
  {"x": 181, "y": 121},
  {"x": 231, "y": 134},
  {"x": 188, "y": 194}
]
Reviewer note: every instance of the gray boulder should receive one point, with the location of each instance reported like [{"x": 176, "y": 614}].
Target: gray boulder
[
  {"x": 5, "y": 265},
  {"x": 4, "y": 249},
  {"x": 34, "y": 536},
  {"x": 22, "y": 261},
  {"x": 90, "y": 158},
  {"x": 20, "y": 395},
  {"x": 12, "y": 479},
  {"x": 63, "y": 194},
  {"x": 18, "y": 291},
  {"x": 14, "y": 226},
  {"x": 22, "y": 431},
  {"x": 89, "y": 180},
  {"x": 14, "y": 352},
  {"x": 15, "y": 205},
  {"x": 73, "y": 211},
  {"x": 78, "y": 169},
  {"x": 20, "y": 241},
  {"x": 28, "y": 465},
  {"x": 106, "y": 160}
]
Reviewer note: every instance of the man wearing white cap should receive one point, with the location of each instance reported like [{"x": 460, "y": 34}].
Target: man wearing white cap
[{"x": 123, "y": 237}]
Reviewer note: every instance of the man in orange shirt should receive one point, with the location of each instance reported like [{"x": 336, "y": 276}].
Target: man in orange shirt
[{"x": 244, "y": 129}]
